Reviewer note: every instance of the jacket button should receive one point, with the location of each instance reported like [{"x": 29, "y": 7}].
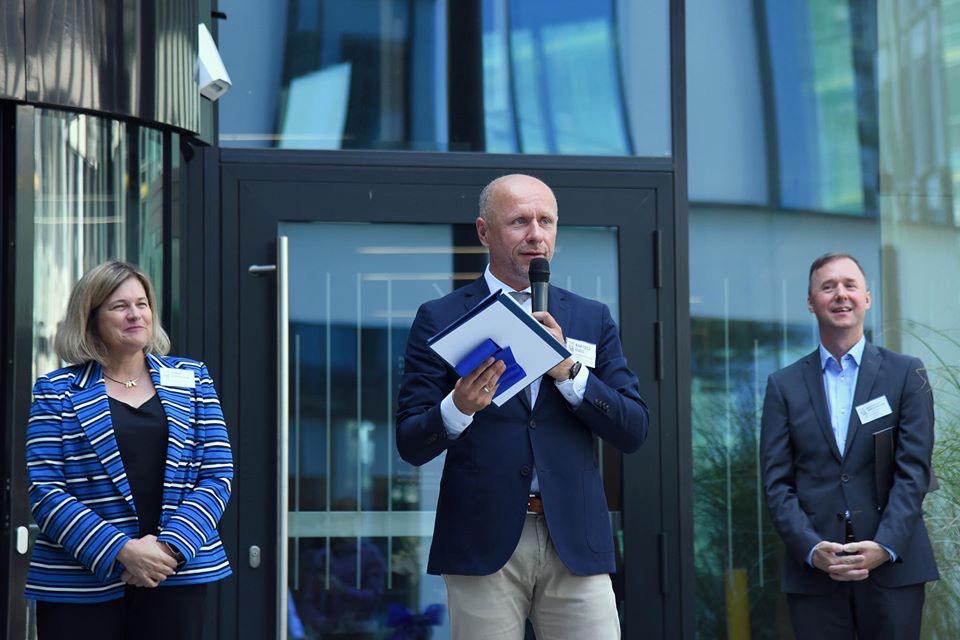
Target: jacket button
[
  {"x": 433, "y": 439},
  {"x": 533, "y": 423},
  {"x": 524, "y": 470},
  {"x": 844, "y": 478}
]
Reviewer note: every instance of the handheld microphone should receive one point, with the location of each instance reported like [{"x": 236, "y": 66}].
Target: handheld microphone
[{"x": 539, "y": 283}]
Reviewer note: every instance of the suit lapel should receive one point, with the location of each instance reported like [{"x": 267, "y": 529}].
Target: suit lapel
[
  {"x": 178, "y": 404},
  {"x": 869, "y": 366},
  {"x": 92, "y": 406},
  {"x": 813, "y": 378},
  {"x": 474, "y": 292}
]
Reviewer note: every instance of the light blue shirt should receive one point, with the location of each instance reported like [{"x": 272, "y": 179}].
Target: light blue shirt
[{"x": 840, "y": 383}]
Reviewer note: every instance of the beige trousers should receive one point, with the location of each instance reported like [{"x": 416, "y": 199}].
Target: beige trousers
[{"x": 536, "y": 584}]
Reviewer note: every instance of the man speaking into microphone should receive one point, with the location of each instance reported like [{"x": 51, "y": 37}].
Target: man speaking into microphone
[{"x": 522, "y": 527}]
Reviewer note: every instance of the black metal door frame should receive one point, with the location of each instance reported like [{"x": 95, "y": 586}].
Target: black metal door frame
[
  {"x": 239, "y": 200},
  {"x": 16, "y": 292}
]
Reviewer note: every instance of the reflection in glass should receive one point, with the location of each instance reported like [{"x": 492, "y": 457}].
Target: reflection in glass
[
  {"x": 82, "y": 216},
  {"x": 360, "y": 519},
  {"x": 920, "y": 226},
  {"x": 815, "y": 94},
  {"x": 327, "y": 74},
  {"x": 80, "y": 213},
  {"x": 781, "y": 105},
  {"x": 150, "y": 191},
  {"x": 554, "y": 80},
  {"x": 561, "y": 77}
]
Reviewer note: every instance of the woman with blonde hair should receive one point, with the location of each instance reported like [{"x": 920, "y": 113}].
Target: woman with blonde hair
[{"x": 130, "y": 470}]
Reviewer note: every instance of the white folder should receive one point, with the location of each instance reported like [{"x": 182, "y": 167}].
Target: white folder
[{"x": 498, "y": 317}]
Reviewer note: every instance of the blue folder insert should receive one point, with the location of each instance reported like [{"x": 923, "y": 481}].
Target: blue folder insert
[{"x": 484, "y": 350}]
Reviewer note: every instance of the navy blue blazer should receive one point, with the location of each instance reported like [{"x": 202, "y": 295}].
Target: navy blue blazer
[
  {"x": 810, "y": 485},
  {"x": 487, "y": 472},
  {"x": 79, "y": 492}
]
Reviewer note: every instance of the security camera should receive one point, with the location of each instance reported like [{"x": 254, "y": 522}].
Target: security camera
[{"x": 212, "y": 76}]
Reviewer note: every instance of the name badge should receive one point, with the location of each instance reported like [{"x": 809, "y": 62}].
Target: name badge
[
  {"x": 583, "y": 352},
  {"x": 178, "y": 378},
  {"x": 876, "y": 408}
]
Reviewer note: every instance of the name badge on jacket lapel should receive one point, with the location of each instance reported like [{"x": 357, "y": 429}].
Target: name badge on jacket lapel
[
  {"x": 182, "y": 378},
  {"x": 583, "y": 352},
  {"x": 876, "y": 408}
]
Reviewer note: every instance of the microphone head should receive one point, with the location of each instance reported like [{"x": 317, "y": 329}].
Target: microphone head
[{"x": 539, "y": 270}]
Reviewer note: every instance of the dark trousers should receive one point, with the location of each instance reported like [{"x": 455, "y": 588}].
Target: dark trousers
[
  {"x": 161, "y": 612},
  {"x": 862, "y": 610}
]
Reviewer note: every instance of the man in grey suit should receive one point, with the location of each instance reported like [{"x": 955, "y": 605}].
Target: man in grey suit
[{"x": 846, "y": 440}]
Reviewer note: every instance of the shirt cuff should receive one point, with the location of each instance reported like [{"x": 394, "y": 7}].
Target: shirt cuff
[
  {"x": 810, "y": 556},
  {"x": 454, "y": 420},
  {"x": 893, "y": 555},
  {"x": 574, "y": 390}
]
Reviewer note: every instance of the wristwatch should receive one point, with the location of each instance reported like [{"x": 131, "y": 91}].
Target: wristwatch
[{"x": 574, "y": 370}]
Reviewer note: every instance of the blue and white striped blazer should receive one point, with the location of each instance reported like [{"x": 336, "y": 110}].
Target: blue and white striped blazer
[{"x": 79, "y": 492}]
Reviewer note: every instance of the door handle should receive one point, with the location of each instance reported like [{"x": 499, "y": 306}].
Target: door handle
[
  {"x": 23, "y": 540},
  {"x": 283, "y": 427},
  {"x": 261, "y": 269}
]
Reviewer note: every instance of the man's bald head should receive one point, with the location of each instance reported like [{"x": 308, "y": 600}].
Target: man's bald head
[
  {"x": 517, "y": 223},
  {"x": 492, "y": 194}
]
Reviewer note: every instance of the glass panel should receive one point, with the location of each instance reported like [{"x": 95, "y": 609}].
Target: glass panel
[
  {"x": 328, "y": 74},
  {"x": 817, "y": 118},
  {"x": 570, "y": 77},
  {"x": 150, "y": 199},
  {"x": 919, "y": 136},
  {"x": 354, "y": 291},
  {"x": 724, "y": 104},
  {"x": 174, "y": 290},
  {"x": 561, "y": 77},
  {"x": 780, "y": 105},
  {"x": 80, "y": 216}
]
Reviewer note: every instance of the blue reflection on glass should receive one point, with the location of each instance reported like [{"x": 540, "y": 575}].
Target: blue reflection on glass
[{"x": 552, "y": 79}]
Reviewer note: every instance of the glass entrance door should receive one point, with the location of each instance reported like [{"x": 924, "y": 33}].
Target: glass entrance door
[
  {"x": 358, "y": 519},
  {"x": 341, "y": 549}
]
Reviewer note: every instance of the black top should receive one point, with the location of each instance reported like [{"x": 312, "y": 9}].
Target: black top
[{"x": 142, "y": 439}]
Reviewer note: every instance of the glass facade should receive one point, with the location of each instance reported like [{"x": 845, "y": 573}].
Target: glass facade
[
  {"x": 813, "y": 126},
  {"x": 558, "y": 77},
  {"x": 80, "y": 216},
  {"x": 83, "y": 212}
]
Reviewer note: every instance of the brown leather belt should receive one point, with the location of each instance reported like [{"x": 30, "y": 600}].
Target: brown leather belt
[{"x": 535, "y": 505}]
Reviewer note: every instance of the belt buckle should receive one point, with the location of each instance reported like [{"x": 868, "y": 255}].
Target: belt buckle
[{"x": 530, "y": 510}]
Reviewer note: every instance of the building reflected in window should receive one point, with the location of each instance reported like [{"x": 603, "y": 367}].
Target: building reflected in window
[{"x": 561, "y": 77}]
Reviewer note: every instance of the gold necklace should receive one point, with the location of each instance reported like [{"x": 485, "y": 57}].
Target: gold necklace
[{"x": 128, "y": 384}]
